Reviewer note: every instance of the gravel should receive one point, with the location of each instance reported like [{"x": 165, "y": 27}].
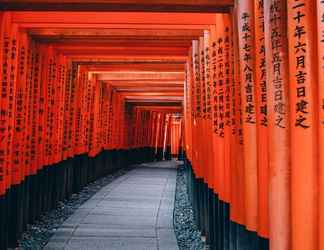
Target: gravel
[
  {"x": 39, "y": 233},
  {"x": 186, "y": 230}
]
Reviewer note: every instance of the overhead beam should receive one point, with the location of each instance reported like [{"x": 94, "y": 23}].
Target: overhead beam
[
  {"x": 120, "y": 5},
  {"x": 130, "y": 99},
  {"x": 149, "y": 89},
  {"x": 143, "y": 83},
  {"x": 121, "y": 51},
  {"x": 116, "y": 42},
  {"x": 114, "y": 33},
  {"x": 153, "y": 107},
  {"x": 159, "y": 107},
  {"x": 129, "y": 58},
  {"x": 104, "y": 18},
  {"x": 157, "y": 67},
  {"x": 169, "y": 76},
  {"x": 153, "y": 96},
  {"x": 75, "y": 25},
  {"x": 169, "y": 92}
]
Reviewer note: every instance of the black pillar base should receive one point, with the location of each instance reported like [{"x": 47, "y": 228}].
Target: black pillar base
[
  {"x": 159, "y": 154},
  {"x": 4, "y": 222},
  {"x": 212, "y": 217},
  {"x": 181, "y": 154},
  {"x": 167, "y": 154},
  {"x": 14, "y": 215}
]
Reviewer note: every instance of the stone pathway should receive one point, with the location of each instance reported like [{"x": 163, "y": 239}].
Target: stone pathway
[{"x": 134, "y": 212}]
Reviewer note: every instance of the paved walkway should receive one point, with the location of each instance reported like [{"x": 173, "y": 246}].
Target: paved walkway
[{"x": 134, "y": 212}]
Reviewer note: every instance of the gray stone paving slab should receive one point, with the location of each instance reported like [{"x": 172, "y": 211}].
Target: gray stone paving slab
[
  {"x": 134, "y": 212},
  {"x": 119, "y": 220},
  {"x": 111, "y": 243},
  {"x": 166, "y": 239},
  {"x": 125, "y": 211},
  {"x": 110, "y": 231},
  {"x": 132, "y": 198}
]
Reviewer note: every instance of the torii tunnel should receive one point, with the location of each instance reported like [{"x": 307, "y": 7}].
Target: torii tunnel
[{"x": 235, "y": 88}]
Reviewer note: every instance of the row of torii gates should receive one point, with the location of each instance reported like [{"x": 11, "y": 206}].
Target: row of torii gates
[{"x": 243, "y": 80}]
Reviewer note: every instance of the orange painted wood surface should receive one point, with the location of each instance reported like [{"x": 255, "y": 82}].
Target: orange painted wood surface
[
  {"x": 303, "y": 119},
  {"x": 278, "y": 127},
  {"x": 247, "y": 66},
  {"x": 241, "y": 93}
]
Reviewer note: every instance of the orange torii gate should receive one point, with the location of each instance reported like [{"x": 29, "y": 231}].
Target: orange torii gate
[{"x": 83, "y": 89}]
